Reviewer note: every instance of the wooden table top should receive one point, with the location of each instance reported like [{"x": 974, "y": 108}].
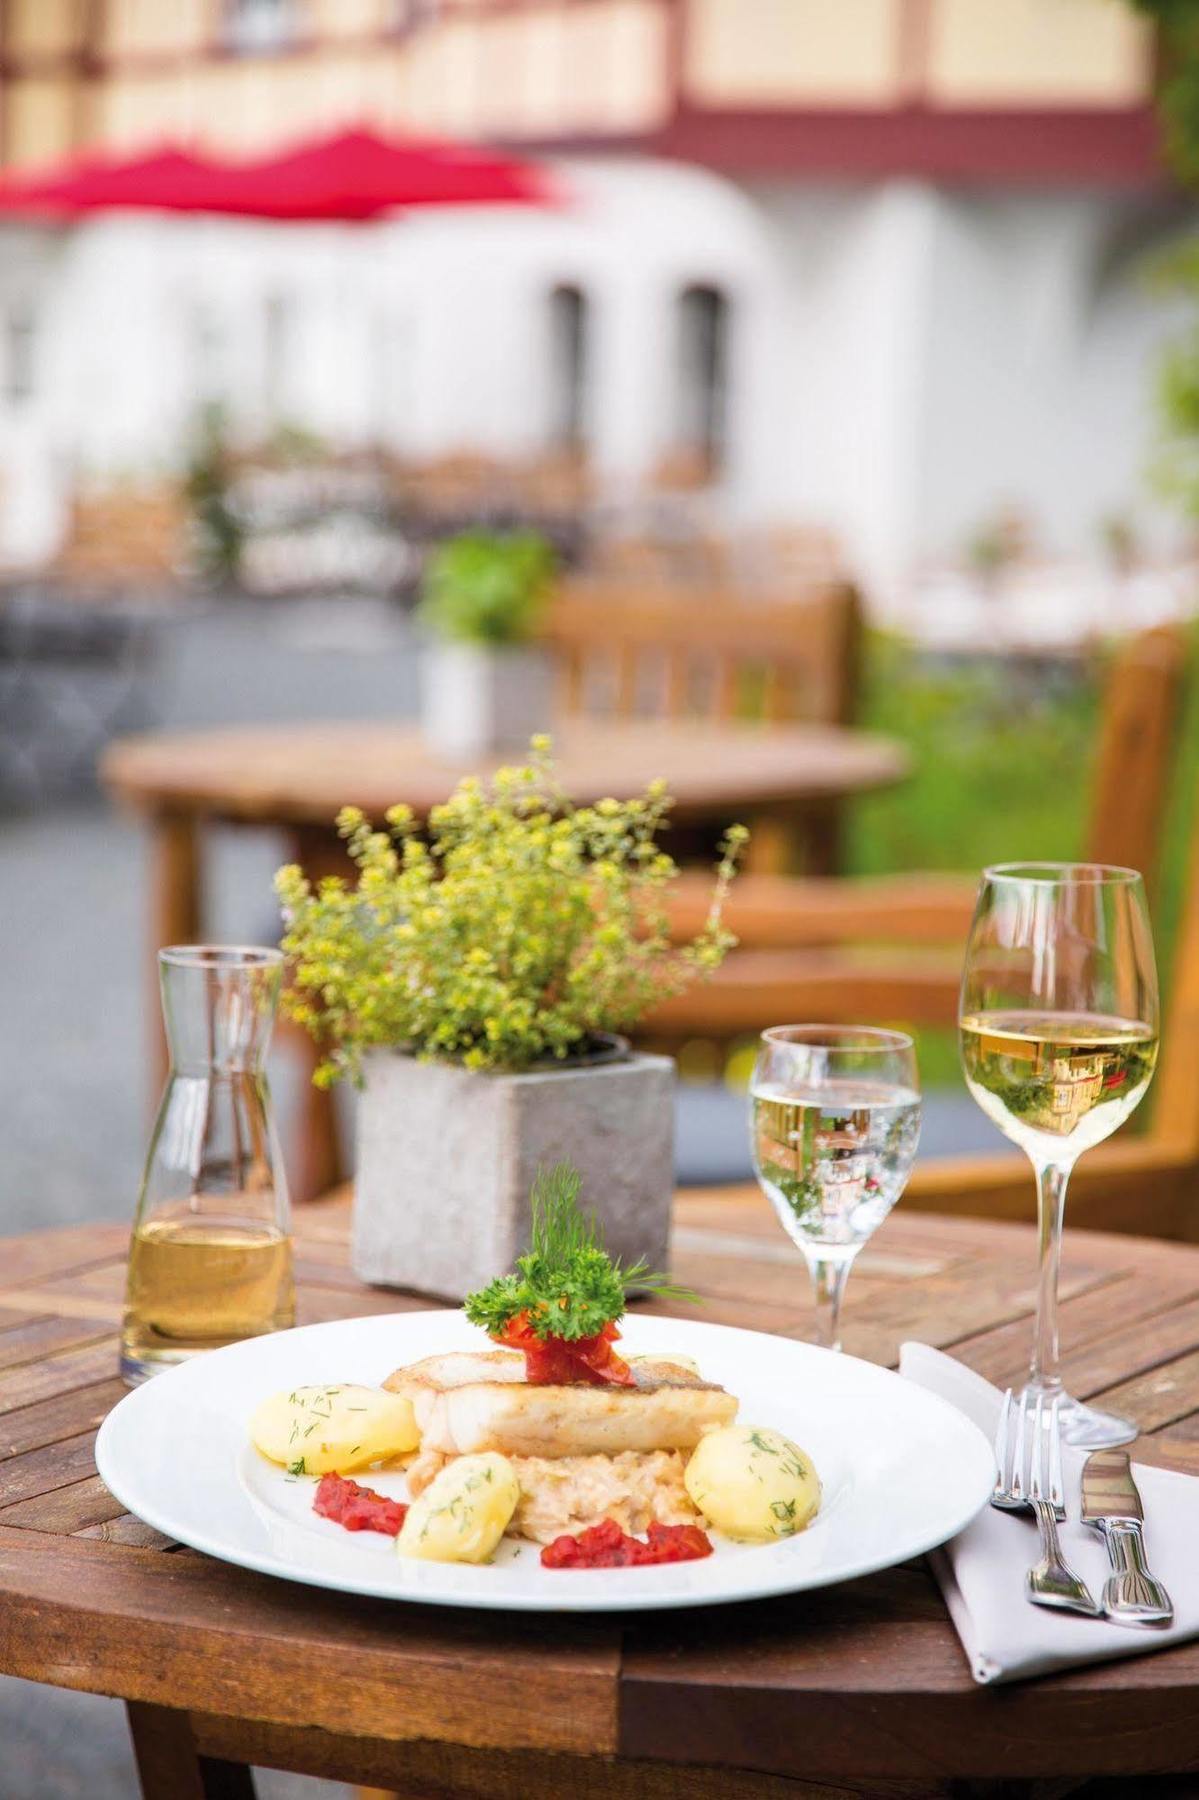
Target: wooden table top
[
  {"x": 863, "y": 1683},
  {"x": 301, "y": 774}
]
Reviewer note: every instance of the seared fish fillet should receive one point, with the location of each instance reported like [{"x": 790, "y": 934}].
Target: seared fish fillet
[{"x": 479, "y": 1400}]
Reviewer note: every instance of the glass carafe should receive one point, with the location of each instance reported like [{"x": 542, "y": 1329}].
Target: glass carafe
[{"x": 210, "y": 1259}]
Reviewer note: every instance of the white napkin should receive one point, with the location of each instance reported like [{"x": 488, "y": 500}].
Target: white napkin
[{"x": 981, "y": 1572}]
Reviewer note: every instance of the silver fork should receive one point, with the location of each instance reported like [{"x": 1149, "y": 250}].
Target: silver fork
[{"x": 1050, "y": 1582}]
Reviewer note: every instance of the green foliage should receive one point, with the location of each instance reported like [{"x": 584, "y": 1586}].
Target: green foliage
[
  {"x": 566, "y": 1282},
  {"x": 487, "y": 587},
  {"x": 1000, "y": 760},
  {"x": 217, "y": 531},
  {"x": 296, "y": 446},
  {"x": 1175, "y": 469},
  {"x": 1177, "y": 22},
  {"x": 522, "y": 926},
  {"x": 1000, "y": 773}
]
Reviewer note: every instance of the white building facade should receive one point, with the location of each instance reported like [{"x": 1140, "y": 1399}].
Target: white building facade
[{"x": 900, "y": 276}]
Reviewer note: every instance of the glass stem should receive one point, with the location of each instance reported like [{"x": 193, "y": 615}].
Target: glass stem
[
  {"x": 1051, "y": 1201},
  {"x": 829, "y": 1275}
]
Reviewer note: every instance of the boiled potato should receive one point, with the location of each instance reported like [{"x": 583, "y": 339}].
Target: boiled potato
[
  {"x": 463, "y": 1513},
  {"x": 319, "y": 1430},
  {"x": 753, "y": 1484}
]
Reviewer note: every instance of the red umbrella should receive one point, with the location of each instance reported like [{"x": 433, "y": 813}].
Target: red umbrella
[
  {"x": 353, "y": 175},
  {"x": 358, "y": 174},
  {"x": 88, "y": 183}
]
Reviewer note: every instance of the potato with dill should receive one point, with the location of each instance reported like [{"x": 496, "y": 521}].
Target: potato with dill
[
  {"x": 463, "y": 1513},
  {"x": 335, "y": 1429},
  {"x": 752, "y": 1484}
]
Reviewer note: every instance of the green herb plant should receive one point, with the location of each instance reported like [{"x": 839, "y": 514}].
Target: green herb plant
[
  {"x": 486, "y": 587},
  {"x": 1175, "y": 466},
  {"x": 216, "y": 529},
  {"x": 566, "y": 1282},
  {"x": 521, "y": 927}
]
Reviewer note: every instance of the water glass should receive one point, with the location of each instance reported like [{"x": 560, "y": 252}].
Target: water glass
[{"x": 834, "y": 1124}]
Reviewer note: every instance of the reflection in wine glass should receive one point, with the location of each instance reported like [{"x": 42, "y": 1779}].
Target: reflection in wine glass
[
  {"x": 1059, "y": 1027},
  {"x": 834, "y": 1123}
]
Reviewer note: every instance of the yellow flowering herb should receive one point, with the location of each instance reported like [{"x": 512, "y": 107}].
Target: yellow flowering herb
[{"x": 519, "y": 927}]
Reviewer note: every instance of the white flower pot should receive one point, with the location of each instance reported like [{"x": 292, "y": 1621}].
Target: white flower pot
[
  {"x": 479, "y": 698},
  {"x": 446, "y": 1159}
]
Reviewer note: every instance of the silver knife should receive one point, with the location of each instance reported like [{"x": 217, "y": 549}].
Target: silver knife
[{"x": 1111, "y": 1503}]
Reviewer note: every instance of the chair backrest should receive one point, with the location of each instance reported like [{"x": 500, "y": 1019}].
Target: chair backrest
[
  {"x": 1131, "y": 779},
  {"x": 1174, "y": 1096},
  {"x": 125, "y": 533},
  {"x": 891, "y": 947},
  {"x": 707, "y": 653}
]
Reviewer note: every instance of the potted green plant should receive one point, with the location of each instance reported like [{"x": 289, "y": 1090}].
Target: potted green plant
[
  {"x": 486, "y": 686},
  {"x": 472, "y": 984}
]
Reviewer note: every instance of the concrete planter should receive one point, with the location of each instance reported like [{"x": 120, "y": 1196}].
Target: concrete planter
[
  {"x": 446, "y": 1159},
  {"x": 479, "y": 698}
]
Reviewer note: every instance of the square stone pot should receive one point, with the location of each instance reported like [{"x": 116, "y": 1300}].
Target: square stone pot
[
  {"x": 480, "y": 698},
  {"x": 446, "y": 1159}
]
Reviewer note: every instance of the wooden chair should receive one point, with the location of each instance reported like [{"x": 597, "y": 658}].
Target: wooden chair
[
  {"x": 125, "y": 536},
  {"x": 706, "y": 653},
  {"x": 891, "y": 949}
]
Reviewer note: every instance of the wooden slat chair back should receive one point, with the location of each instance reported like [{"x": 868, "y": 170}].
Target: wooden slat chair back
[
  {"x": 829, "y": 946},
  {"x": 1131, "y": 779},
  {"x": 627, "y": 651},
  {"x": 890, "y": 949}
]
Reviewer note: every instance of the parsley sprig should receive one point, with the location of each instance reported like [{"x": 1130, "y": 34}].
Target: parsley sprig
[{"x": 566, "y": 1282}]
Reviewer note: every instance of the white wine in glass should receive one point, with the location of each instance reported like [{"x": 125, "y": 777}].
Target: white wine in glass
[{"x": 1059, "y": 1027}]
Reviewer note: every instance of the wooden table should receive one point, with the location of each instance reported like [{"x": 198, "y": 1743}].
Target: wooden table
[
  {"x": 296, "y": 777},
  {"x": 861, "y": 1688}
]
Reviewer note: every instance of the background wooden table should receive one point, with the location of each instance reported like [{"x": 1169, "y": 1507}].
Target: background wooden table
[
  {"x": 861, "y": 1687},
  {"x": 779, "y": 778}
]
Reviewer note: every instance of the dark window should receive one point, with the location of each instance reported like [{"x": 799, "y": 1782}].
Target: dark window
[
  {"x": 407, "y": 15},
  {"x": 568, "y": 366},
  {"x": 256, "y": 25},
  {"x": 703, "y": 330}
]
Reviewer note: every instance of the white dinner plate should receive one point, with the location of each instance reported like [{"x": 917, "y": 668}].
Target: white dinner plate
[{"x": 901, "y": 1469}]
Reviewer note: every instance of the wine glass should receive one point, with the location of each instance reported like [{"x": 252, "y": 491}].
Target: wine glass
[
  {"x": 1058, "y": 1027},
  {"x": 834, "y": 1123}
]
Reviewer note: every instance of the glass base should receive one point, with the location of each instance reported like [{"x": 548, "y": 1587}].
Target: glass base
[
  {"x": 136, "y": 1369},
  {"x": 1085, "y": 1427}
]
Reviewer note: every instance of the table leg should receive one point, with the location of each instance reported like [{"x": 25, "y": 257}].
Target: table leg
[
  {"x": 168, "y": 1766},
  {"x": 807, "y": 841},
  {"x": 175, "y": 910},
  {"x": 824, "y": 837},
  {"x": 771, "y": 847}
]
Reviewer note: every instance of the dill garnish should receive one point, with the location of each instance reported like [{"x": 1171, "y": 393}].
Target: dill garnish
[{"x": 566, "y": 1283}]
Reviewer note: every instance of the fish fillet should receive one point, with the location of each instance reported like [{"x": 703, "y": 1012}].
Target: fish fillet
[{"x": 468, "y": 1401}]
